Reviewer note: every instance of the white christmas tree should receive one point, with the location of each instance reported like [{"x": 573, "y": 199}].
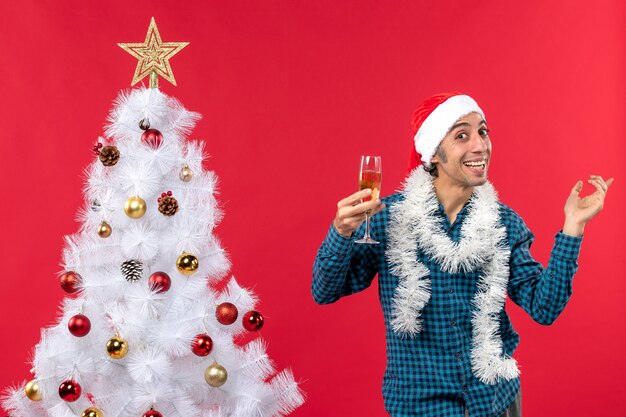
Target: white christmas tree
[{"x": 144, "y": 332}]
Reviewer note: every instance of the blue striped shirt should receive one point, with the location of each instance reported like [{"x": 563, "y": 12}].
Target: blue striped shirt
[{"x": 430, "y": 375}]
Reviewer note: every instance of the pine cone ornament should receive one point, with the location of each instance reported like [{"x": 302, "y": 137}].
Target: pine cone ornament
[
  {"x": 109, "y": 155},
  {"x": 132, "y": 270},
  {"x": 168, "y": 204}
]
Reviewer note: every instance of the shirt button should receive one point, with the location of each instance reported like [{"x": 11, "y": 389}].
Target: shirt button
[
  {"x": 452, "y": 323},
  {"x": 450, "y": 290},
  {"x": 464, "y": 388},
  {"x": 458, "y": 354}
]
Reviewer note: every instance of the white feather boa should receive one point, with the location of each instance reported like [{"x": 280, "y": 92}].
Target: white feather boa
[{"x": 412, "y": 226}]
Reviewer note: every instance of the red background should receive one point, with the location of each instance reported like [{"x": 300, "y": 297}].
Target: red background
[{"x": 292, "y": 93}]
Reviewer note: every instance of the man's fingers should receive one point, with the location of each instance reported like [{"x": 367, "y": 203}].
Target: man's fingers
[
  {"x": 577, "y": 188},
  {"x": 599, "y": 184},
  {"x": 599, "y": 178},
  {"x": 354, "y": 198},
  {"x": 351, "y": 211},
  {"x": 360, "y": 208},
  {"x": 607, "y": 182},
  {"x": 377, "y": 209},
  {"x": 595, "y": 180},
  {"x": 354, "y": 221}
]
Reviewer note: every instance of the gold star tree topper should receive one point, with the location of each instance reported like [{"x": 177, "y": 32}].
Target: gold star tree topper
[{"x": 154, "y": 56}]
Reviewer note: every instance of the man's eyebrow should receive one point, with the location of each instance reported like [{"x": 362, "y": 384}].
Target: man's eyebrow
[{"x": 454, "y": 126}]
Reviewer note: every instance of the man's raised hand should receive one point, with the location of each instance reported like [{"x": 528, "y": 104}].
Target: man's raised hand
[
  {"x": 578, "y": 211},
  {"x": 351, "y": 212}
]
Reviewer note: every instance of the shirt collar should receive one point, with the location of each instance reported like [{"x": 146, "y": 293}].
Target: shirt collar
[{"x": 459, "y": 217}]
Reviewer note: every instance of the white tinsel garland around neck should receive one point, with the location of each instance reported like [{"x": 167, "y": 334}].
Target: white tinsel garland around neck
[{"x": 414, "y": 226}]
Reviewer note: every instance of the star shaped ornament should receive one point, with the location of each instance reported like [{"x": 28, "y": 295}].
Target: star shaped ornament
[{"x": 154, "y": 56}]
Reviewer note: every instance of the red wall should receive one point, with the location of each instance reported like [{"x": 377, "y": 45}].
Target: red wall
[{"x": 292, "y": 92}]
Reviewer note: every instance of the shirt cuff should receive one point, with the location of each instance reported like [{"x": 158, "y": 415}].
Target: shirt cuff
[
  {"x": 336, "y": 243},
  {"x": 566, "y": 246}
]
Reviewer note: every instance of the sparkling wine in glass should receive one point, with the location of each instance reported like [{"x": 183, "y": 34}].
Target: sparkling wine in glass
[{"x": 370, "y": 176}]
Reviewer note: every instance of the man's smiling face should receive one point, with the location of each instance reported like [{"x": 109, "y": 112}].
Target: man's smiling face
[{"x": 464, "y": 154}]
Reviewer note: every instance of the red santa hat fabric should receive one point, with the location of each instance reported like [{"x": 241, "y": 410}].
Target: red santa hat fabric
[{"x": 432, "y": 120}]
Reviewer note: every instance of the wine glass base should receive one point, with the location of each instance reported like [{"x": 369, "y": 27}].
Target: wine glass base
[{"x": 367, "y": 240}]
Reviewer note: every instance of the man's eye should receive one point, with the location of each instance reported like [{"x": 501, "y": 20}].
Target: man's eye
[
  {"x": 461, "y": 135},
  {"x": 483, "y": 132}
]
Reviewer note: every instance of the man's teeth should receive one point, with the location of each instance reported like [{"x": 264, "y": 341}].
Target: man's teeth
[{"x": 474, "y": 164}]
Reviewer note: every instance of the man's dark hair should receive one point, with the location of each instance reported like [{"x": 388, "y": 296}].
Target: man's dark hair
[{"x": 432, "y": 170}]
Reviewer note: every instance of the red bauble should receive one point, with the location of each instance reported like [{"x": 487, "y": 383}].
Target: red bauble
[
  {"x": 69, "y": 282},
  {"x": 152, "y": 413},
  {"x": 159, "y": 282},
  {"x": 226, "y": 313},
  {"x": 202, "y": 344},
  {"x": 152, "y": 137},
  {"x": 69, "y": 390},
  {"x": 79, "y": 325},
  {"x": 253, "y": 321}
]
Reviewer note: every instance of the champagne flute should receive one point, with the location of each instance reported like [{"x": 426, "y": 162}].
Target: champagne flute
[{"x": 370, "y": 176}]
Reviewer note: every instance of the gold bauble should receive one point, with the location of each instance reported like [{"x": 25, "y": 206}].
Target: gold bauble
[
  {"x": 104, "y": 230},
  {"x": 92, "y": 412},
  {"x": 135, "y": 207},
  {"x": 215, "y": 375},
  {"x": 186, "y": 174},
  {"x": 33, "y": 392},
  {"x": 117, "y": 347},
  {"x": 187, "y": 264}
]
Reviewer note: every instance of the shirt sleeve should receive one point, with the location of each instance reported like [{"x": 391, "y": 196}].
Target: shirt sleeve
[
  {"x": 342, "y": 267},
  {"x": 542, "y": 293}
]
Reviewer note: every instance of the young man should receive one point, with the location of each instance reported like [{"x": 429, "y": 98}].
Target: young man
[{"x": 449, "y": 253}]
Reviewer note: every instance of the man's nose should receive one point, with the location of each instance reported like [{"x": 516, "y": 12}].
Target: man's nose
[{"x": 478, "y": 143}]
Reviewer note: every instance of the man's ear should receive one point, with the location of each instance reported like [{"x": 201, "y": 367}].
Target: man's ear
[{"x": 439, "y": 156}]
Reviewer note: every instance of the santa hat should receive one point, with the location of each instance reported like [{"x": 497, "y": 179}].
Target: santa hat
[{"x": 432, "y": 120}]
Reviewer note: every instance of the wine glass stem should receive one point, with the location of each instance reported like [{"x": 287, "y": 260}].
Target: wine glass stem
[{"x": 367, "y": 225}]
